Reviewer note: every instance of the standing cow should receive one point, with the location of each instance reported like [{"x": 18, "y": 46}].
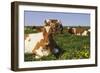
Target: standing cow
[{"x": 78, "y": 31}]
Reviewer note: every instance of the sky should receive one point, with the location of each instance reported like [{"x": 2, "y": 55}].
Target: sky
[{"x": 36, "y": 18}]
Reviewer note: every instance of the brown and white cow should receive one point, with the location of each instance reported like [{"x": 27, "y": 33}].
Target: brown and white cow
[
  {"x": 40, "y": 44},
  {"x": 79, "y": 31}
]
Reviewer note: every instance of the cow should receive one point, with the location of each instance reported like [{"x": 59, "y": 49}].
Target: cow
[
  {"x": 79, "y": 31},
  {"x": 42, "y": 43},
  {"x": 55, "y": 24}
]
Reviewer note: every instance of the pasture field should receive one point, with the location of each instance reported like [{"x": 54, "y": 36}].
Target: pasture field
[{"x": 73, "y": 47}]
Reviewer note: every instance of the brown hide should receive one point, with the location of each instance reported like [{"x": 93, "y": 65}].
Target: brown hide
[
  {"x": 77, "y": 30},
  {"x": 71, "y": 31}
]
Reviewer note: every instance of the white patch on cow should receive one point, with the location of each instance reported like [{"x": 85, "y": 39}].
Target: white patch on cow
[
  {"x": 46, "y": 52},
  {"x": 74, "y": 29},
  {"x": 85, "y": 33},
  {"x": 41, "y": 52},
  {"x": 47, "y": 28},
  {"x": 34, "y": 39},
  {"x": 78, "y": 34},
  {"x": 47, "y": 20}
]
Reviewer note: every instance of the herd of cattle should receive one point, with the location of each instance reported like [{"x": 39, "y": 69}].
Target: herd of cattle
[{"x": 43, "y": 44}]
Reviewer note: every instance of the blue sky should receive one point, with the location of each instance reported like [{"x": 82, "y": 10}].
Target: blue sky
[{"x": 68, "y": 19}]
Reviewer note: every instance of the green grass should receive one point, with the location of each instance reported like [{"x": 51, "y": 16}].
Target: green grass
[{"x": 74, "y": 47}]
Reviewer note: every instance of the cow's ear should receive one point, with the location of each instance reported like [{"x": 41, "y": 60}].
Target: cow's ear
[
  {"x": 46, "y": 22},
  {"x": 59, "y": 21}
]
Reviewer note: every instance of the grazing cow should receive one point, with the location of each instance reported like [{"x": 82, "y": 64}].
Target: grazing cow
[
  {"x": 78, "y": 31},
  {"x": 41, "y": 44},
  {"x": 55, "y": 24}
]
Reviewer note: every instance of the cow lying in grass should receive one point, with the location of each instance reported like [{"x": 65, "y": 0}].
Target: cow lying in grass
[{"x": 42, "y": 43}]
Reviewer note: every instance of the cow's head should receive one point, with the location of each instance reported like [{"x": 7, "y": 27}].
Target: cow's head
[
  {"x": 47, "y": 34},
  {"x": 54, "y": 23}
]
